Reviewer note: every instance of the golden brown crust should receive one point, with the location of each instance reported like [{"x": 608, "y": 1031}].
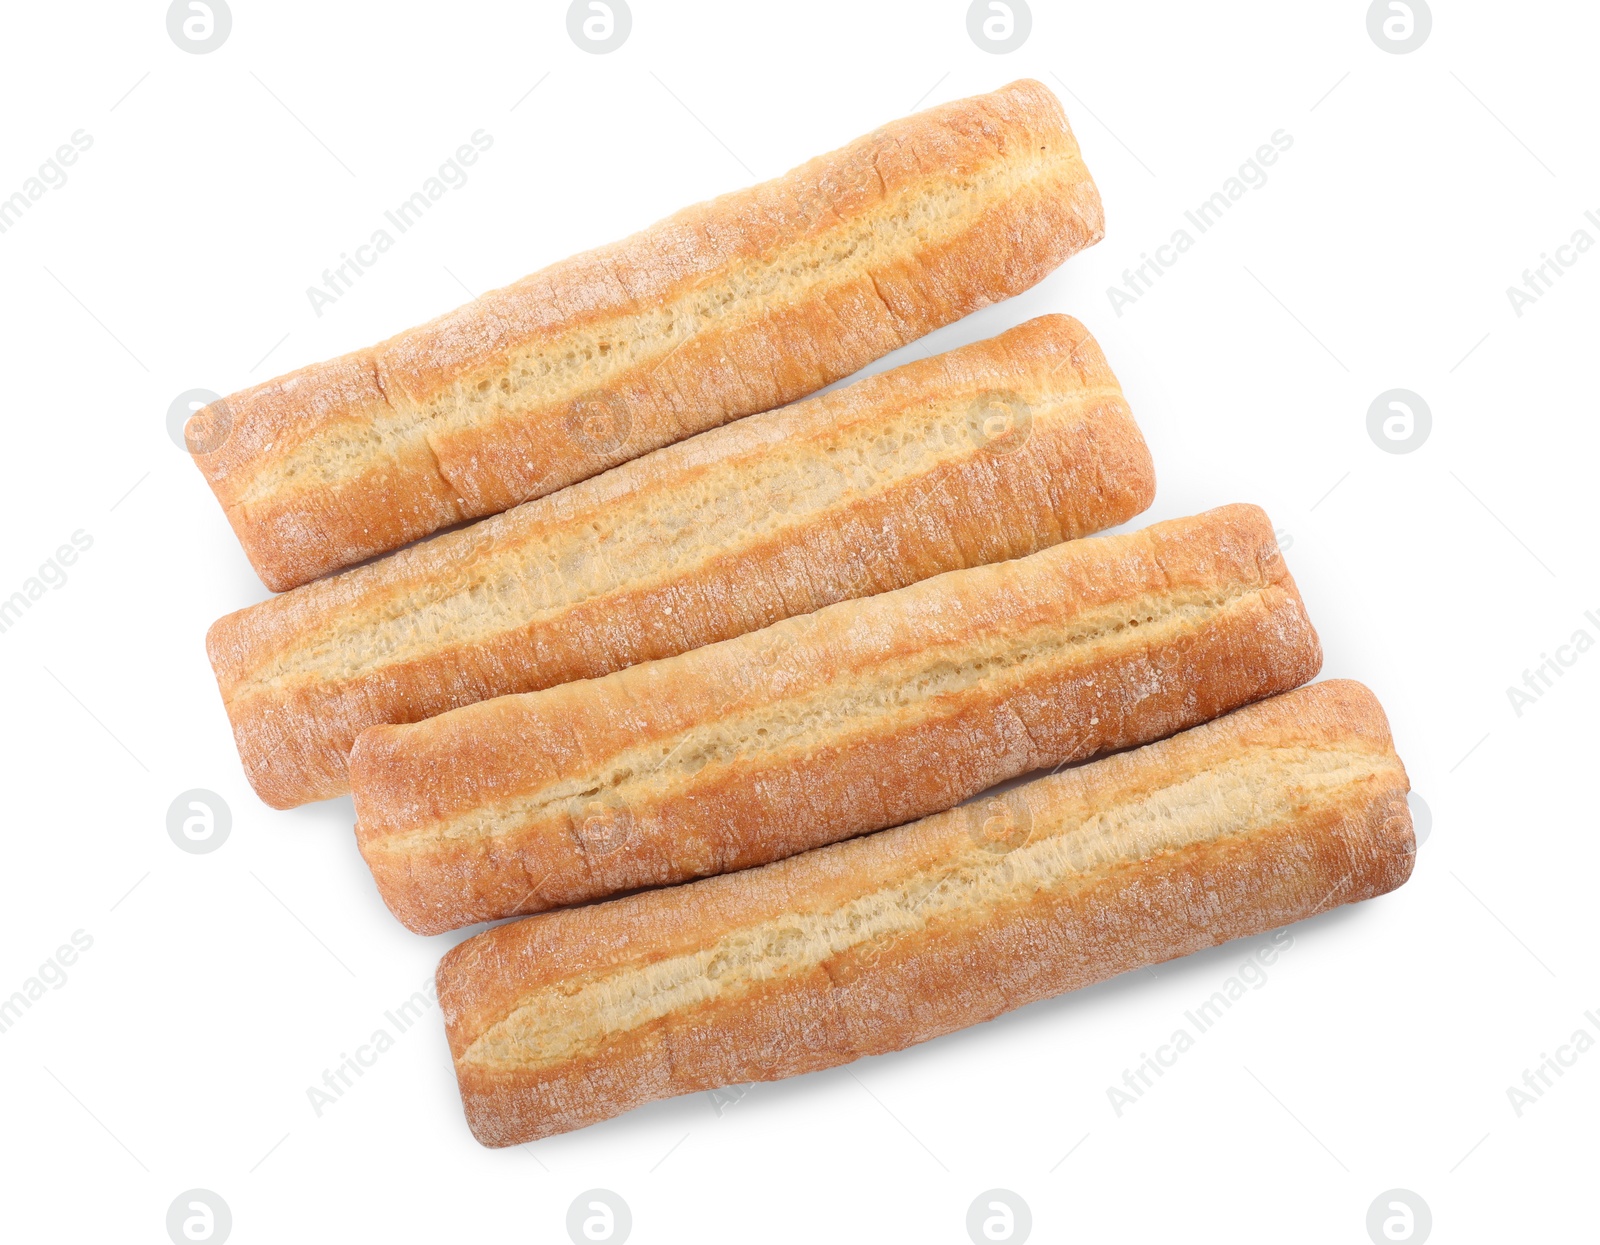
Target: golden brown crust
[
  {"x": 865, "y": 714},
  {"x": 1264, "y": 817},
  {"x": 729, "y": 307},
  {"x": 888, "y": 481}
]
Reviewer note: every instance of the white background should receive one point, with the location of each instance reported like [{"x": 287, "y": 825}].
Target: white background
[{"x": 219, "y": 987}]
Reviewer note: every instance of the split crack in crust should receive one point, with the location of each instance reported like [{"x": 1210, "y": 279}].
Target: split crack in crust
[
  {"x": 1077, "y": 846},
  {"x": 1251, "y": 822},
  {"x": 831, "y": 714},
  {"x": 551, "y": 372},
  {"x": 524, "y": 577},
  {"x": 729, "y": 307}
]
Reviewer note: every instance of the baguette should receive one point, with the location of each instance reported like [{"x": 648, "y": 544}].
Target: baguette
[
  {"x": 865, "y": 714},
  {"x": 985, "y": 453},
  {"x": 733, "y": 306},
  {"x": 1259, "y": 819}
]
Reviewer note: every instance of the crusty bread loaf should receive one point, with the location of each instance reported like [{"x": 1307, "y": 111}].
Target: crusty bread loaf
[
  {"x": 1256, "y": 820},
  {"x": 733, "y": 306},
  {"x": 988, "y": 452},
  {"x": 865, "y": 714}
]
